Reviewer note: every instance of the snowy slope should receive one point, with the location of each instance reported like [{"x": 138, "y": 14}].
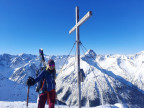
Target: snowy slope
[
  {"x": 14, "y": 71},
  {"x": 19, "y": 67},
  {"x": 109, "y": 79},
  {"x": 4, "y": 104},
  {"x": 11, "y": 91}
]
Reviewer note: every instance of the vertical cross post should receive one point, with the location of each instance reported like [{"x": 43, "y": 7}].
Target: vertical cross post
[
  {"x": 76, "y": 27},
  {"x": 78, "y": 56}
]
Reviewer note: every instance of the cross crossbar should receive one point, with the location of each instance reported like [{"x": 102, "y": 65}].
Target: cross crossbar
[{"x": 89, "y": 14}]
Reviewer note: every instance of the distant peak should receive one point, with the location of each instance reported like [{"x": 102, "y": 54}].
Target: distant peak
[
  {"x": 141, "y": 52},
  {"x": 90, "y": 52},
  {"x": 24, "y": 54},
  {"x": 21, "y": 54},
  {"x": 6, "y": 54}
]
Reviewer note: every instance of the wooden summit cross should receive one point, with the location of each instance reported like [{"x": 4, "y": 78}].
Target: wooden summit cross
[{"x": 76, "y": 27}]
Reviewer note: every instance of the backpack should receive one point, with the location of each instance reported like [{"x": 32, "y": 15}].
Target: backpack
[{"x": 39, "y": 84}]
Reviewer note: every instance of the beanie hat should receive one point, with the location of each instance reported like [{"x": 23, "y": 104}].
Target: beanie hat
[{"x": 51, "y": 61}]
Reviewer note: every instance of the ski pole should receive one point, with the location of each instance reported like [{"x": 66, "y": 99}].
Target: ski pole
[{"x": 28, "y": 95}]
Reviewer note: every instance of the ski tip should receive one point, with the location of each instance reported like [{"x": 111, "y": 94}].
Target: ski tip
[{"x": 41, "y": 49}]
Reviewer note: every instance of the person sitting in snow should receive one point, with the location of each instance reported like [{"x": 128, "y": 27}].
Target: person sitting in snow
[{"x": 47, "y": 90}]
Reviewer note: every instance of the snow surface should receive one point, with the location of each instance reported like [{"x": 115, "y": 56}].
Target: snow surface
[{"x": 19, "y": 104}]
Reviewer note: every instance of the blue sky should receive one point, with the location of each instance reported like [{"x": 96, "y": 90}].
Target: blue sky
[{"x": 116, "y": 26}]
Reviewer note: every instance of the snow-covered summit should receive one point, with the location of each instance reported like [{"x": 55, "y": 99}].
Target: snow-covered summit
[
  {"x": 90, "y": 53},
  {"x": 141, "y": 52}
]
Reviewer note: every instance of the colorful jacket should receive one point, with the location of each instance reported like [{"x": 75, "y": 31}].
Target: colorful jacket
[{"x": 49, "y": 77}]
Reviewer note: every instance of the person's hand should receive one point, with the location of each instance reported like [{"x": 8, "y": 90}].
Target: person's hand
[{"x": 30, "y": 81}]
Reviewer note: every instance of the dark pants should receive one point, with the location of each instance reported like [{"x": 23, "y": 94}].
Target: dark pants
[{"x": 49, "y": 96}]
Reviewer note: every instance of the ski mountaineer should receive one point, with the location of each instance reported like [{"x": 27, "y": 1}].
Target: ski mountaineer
[{"x": 47, "y": 90}]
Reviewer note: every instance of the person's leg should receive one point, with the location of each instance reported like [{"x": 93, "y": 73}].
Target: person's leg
[
  {"x": 42, "y": 100},
  {"x": 51, "y": 98}
]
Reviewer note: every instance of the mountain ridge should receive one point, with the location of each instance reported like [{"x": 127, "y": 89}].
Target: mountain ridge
[{"x": 108, "y": 77}]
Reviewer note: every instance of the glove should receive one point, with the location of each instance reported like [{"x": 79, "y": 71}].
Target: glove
[{"x": 30, "y": 81}]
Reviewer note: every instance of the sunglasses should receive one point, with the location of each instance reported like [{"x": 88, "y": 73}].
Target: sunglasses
[{"x": 51, "y": 65}]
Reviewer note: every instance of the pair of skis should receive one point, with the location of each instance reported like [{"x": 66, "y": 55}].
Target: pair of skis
[{"x": 41, "y": 55}]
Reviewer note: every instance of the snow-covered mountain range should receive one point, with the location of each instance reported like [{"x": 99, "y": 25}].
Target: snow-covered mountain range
[
  {"x": 14, "y": 71},
  {"x": 109, "y": 79}
]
